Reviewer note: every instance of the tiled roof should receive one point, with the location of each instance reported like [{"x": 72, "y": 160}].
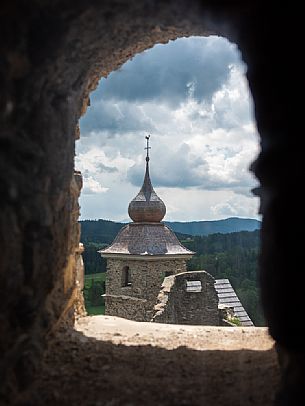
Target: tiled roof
[
  {"x": 228, "y": 297},
  {"x": 146, "y": 239}
]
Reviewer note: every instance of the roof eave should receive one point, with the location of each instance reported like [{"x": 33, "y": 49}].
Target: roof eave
[{"x": 145, "y": 257}]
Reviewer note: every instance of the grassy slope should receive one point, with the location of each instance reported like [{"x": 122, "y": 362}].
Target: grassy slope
[{"x": 97, "y": 277}]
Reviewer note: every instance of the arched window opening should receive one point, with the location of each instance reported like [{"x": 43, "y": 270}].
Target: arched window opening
[{"x": 126, "y": 276}]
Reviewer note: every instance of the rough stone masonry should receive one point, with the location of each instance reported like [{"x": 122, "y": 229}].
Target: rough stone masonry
[{"x": 188, "y": 298}]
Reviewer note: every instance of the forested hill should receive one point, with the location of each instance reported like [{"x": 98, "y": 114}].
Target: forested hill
[
  {"x": 99, "y": 231},
  {"x": 105, "y": 230},
  {"x": 229, "y": 225}
]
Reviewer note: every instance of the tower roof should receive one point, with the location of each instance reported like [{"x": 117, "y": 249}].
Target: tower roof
[
  {"x": 147, "y": 205},
  {"x": 146, "y": 240},
  {"x": 146, "y": 237}
]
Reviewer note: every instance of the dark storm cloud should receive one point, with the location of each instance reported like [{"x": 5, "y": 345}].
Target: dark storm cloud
[
  {"x": 114, "y": 118},
  {"x": 171, "y": 72}
]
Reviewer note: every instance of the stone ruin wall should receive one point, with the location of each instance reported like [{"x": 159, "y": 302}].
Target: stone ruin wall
[
  {"x": 128, "y": 307},
  {"x": 146, "y": 280},
  {"x": 178, "y": 306}
]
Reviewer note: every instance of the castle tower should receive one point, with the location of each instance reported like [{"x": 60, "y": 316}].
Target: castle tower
[{"x": 142, "y": 254}]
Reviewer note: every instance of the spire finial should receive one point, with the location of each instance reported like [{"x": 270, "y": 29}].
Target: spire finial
[
  {"x": 147, "y": 205},
  {"x": 147, "y": 137}
]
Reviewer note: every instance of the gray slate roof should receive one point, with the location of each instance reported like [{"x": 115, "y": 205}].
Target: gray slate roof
[
  {"x": 228, "y": 297},
  {"x": 146, "y": 239}
]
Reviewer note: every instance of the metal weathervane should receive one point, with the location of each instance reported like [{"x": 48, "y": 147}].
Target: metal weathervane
[{"x": 147, "y": 137}]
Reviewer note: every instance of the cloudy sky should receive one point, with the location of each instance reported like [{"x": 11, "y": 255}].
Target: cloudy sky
[{"x": 191, "y": 95}]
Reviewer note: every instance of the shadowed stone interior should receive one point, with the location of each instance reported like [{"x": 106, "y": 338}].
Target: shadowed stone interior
[{"x": 53, "y": 55}]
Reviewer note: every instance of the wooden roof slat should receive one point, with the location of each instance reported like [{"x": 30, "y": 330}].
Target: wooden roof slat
[{"x": 227, "y": 296}]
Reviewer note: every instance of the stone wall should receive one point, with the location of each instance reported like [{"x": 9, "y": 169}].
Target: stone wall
[
  {"x": 146, "y": 280},
  {"x": 128, "y": 307},
  {"x": 179, "y": 303}
]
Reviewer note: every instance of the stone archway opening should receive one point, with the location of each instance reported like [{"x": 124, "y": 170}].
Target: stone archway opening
[
  {"x": 54, "y": 55},
  {"x": 119, "y": 334}
]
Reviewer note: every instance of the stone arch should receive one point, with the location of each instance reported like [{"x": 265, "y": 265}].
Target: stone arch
[{"x": 53, "y": 56}]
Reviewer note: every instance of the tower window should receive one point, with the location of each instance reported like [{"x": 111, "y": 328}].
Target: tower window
[{"x": 126, "y": 277}]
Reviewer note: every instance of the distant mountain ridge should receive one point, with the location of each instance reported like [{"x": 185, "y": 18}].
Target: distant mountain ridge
[
  {"x": 106, "y": 230},
  {"x": 229, "y": 225}
]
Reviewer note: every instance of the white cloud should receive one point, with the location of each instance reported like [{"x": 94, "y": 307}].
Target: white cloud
[
  {"x": 92, "y": 186},
  {"x": 236, "y": 205}
]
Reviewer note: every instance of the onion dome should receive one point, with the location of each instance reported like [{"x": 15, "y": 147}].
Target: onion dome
[{"x": 147, "y": 207}]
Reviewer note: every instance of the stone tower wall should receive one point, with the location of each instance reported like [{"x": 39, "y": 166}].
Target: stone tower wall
[
  {"x": 177, "y": 305},
  {"x": 137, "y": 301}
]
